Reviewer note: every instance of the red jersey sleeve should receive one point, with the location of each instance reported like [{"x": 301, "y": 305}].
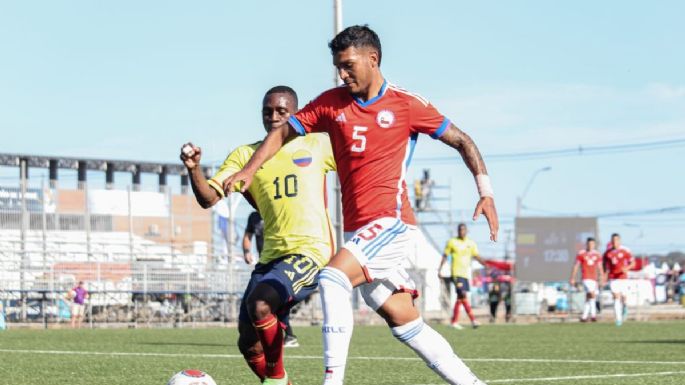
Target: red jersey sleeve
[
  {"x": 630, "y": 257},
  {"x": 426, "y": 119},
  {"x": 314, "y": 117}
]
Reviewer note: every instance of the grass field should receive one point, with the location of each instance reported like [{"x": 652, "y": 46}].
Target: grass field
[{"x": 637, "y": 353}]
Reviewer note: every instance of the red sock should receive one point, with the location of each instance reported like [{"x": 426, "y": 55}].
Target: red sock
[
  {"x": 455, "y": 313},
  {"x": 467, "y": 307},
  {"x": 258, "y": 365},
  {"x": 271, "y": 336}
]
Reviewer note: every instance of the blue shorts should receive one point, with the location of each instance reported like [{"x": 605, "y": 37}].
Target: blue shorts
[
  {"x": 294, "y": 277},
  {"x": 462, "y": 285}
]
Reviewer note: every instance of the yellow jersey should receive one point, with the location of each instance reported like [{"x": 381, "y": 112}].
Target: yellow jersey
[
  {"x": 290, "y": 193},
  {"x": 461, "y": 251}
]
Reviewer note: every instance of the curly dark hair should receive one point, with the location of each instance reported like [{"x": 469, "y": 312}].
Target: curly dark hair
[{"x": 356, "y": 36}]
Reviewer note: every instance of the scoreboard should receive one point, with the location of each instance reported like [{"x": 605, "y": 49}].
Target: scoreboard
[{"x": 546, "y": 247}]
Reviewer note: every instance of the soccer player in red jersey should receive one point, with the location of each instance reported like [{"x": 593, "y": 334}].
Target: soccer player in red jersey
[
  {"x": 373, "y": 127},
  {"x": 589, "y": 261},
  {"x": 618, "y": 260}
]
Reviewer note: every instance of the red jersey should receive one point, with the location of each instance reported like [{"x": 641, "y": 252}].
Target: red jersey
[
  {"x": 589, "y": 262},
  {"x": 373, "y": 143},
  {"x": 616, "y": 260}
]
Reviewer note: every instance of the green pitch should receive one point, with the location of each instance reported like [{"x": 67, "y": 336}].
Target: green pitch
[{"x": 637, "y": 353}]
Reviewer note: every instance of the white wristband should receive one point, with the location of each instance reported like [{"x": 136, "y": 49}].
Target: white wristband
[{"x": 484, "y": 186}]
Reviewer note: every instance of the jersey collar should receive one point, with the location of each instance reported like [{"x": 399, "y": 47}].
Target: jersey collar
[{"x": 371, "y": 101}]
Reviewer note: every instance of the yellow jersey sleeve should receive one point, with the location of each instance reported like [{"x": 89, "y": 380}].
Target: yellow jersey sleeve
[
  {"x": 474, "y": 249},
  {"x": 233, "y": 163},
  {"x": 327, "y": 153},
  {"x": 448, "y": 248}
]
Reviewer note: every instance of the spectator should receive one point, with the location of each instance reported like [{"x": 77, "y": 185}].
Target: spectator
[{"x": 79, "y": 295}]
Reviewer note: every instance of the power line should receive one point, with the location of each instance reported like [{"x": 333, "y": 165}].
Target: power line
[
  {"x": 615, "y": 214},
  {"x": 569, "y": 151}
]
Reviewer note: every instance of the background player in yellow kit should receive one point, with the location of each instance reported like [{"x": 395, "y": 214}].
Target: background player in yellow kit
[
  {"x": 461, "y": 250},
  {"x": 298, "y": 239}
]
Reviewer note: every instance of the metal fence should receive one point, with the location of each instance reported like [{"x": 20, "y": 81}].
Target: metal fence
[{"x": 122, "y": 292}]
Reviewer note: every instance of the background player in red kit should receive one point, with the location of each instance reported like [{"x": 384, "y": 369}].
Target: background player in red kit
[
  {"x": 618, "y": 260},
  {"x": 589, "y": 261},
  {"x": 373, "y": 127}
]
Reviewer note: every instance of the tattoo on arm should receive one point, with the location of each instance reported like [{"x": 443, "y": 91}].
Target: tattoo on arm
[{"x": 459, "y": 140}]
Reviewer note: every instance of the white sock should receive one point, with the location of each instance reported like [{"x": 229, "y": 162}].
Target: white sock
[
  {"x": 436, "y": 352},
  {"x": 338, "y": 322},
  {"x": 593, "y": 307},
  {"x": 586, "y": 309},
  {"x": 618, "y": 309}
]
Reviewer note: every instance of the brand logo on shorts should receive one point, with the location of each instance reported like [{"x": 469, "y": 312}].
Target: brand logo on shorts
[{"x": 385, "y": 118}]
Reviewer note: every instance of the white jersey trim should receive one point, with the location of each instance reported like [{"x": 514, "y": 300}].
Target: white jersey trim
[
  {"x": 403, "y": 175},
  {"x": 418, "y": 97}
]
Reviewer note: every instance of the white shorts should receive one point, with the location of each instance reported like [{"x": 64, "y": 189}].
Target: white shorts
[
  {"x": 619, "y": 286},
  {"x": 382, "y": 248},
  {"x": 77, "y": 310},
  {"x": 590, "y": 285}
]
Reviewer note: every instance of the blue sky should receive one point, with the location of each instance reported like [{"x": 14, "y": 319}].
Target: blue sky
[{"x": 134, "y": 80}]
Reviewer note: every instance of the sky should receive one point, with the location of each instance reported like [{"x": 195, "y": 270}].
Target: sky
[{"x": 135, "y": 80}]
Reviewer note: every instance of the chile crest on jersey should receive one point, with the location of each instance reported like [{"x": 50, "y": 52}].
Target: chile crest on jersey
[{"x": 385, "y": 118}]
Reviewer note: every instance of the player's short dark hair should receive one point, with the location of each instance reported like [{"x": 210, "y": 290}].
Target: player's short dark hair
[
  {"x": 282, "y": 90},
  {"x": 460, "y": 225},
  {"x": 615, "y": 235},
  {"x": 590, "y": 239},
  {"x": 356, "y": 36}
]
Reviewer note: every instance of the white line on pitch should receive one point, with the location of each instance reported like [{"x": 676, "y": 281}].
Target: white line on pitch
[
  {"x": 587, "y": 377},
  {"x": 301, "y": 357}
]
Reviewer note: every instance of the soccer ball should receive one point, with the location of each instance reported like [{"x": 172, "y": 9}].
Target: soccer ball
[{"x": 191, "y": 377}]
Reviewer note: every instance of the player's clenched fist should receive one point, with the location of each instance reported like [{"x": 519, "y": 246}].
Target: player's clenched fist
[{"x": 190, "y": 155}]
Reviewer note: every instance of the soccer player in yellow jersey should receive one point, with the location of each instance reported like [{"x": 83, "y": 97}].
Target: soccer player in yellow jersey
[
  {"x": 298, "y": 239},
  {"x": 461, "y": 250}
]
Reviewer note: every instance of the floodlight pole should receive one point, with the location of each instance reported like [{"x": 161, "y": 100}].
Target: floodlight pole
[
  {"x": 337, "y": 27},
  {"x": 519, "y": 199}
]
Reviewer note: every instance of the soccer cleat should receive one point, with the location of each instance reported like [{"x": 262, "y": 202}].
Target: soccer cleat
[
  {"x": 583, "y": 320},
  {"x": 456, "y": 326},
  {"x": 593, "y": 319},
  {"x": 291, "y": 342},
  {"x": 277, "y": 381},
  {"x": 619, "y": 322},
  {"x": 475, "y": 324}
]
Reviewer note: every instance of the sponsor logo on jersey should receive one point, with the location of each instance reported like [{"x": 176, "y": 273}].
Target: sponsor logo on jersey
[
  {"x": 341, "y": 118},
  {"x": 302, "y": 158},
  {"x": 385, "y": 118}
]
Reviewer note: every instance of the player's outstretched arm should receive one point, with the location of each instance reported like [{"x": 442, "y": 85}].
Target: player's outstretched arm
[
  {"x": 481, "y": 261},
  {"x": 247, "y": 247},
  {"x": 459, "y": 140},
  {"x": 272, "y": 143},
  {"x": 205, "y": 195},
  {"x": 574, "y": 274}
]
